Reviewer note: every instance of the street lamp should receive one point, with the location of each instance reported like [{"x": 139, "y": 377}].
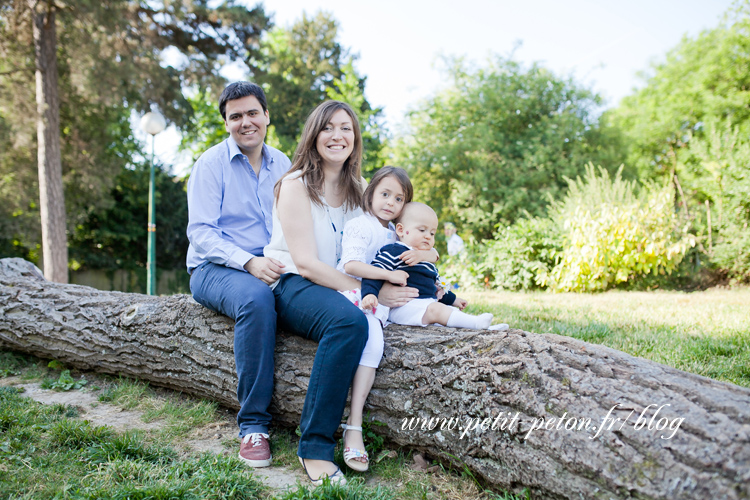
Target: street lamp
[{"x": 152, "y": 123}]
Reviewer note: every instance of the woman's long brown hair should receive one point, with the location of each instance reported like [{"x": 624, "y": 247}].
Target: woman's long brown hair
[{"x": 307, "y": 160}]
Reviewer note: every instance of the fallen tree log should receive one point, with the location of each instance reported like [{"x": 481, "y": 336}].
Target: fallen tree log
[{"x": 554, "y": 415}]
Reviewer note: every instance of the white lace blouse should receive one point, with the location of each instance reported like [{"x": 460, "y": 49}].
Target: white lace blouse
[{"x": 363, "y": 237}]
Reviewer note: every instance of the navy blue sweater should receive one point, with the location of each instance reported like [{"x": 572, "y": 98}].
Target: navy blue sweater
[{"x": 422, "y": 276}]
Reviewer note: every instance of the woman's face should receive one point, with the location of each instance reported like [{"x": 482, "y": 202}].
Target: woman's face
[{"x": 336, "y": 141}]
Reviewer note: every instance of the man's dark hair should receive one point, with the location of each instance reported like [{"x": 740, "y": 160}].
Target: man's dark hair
[{"x": 238, "y": 90}]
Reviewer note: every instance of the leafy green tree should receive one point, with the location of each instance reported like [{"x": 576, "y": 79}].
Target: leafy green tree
[
  {"x": 116, "y": 237},
  {"x": 107, "y": 55},
  {"x": 702, "y": 78},
  {"x": 499, "y": 141}
]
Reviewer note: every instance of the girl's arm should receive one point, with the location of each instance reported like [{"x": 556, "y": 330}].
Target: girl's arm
[
  {"x": 411, "y": 257},
  {"x": 295, "y": 216},
  {"x": 357, "y": 268}
]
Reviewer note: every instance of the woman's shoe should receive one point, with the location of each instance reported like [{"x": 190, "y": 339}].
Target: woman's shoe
[
  {"x": 337, "y": 477},
  {"x": 351, "y": 454}
]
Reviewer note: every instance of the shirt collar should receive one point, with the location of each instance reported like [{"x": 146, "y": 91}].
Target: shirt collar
[{"x": 234, "y": 150}]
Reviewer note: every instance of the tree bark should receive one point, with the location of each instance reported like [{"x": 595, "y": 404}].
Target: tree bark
[
  {"x": 693, "y": 444},
  {"x": 51, "y": 196}
]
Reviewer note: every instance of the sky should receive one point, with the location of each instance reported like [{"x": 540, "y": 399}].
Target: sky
[{"x": 601, "y": 44}]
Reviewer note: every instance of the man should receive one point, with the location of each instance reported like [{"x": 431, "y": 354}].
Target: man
[{"x": 230, "y": 201}]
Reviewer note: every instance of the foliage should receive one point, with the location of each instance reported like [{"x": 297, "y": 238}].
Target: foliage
[
  {"x": 65, "y": 382},
  {"x": 718, "y": 172},
  {"x": 116, "y": 238},
  {"x": 702, "y": 78},
  {"x": 499, "y": 141},
  {"x": 521, "y": 252},
  {"x": 611, "y": 235},
  {"x": 603, "y": 233}
]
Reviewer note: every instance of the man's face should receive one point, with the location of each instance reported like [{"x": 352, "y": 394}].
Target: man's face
[{"x": 246, "y": 123}]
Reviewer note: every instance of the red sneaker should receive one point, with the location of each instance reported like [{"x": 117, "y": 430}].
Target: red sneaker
[{"x": 255, "y": 450}]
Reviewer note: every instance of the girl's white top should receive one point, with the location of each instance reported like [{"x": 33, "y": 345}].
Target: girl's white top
[
  {"x": 327, "y": 228},
  {"x": 363, "y": 237}
]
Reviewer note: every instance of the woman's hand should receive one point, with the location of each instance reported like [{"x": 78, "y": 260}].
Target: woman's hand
[
  {"x": 398, "y": 277},
  {"x": 395, "y": 296}
]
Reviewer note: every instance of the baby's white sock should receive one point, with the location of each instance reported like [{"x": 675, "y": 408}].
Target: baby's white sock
[{"x": 460, "y": 319}]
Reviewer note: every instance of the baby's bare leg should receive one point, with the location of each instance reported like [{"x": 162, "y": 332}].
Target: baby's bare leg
[{"x": 437, "y": 312}]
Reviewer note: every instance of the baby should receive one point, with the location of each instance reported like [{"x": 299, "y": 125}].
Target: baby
[{"x": 416, "y": 230}]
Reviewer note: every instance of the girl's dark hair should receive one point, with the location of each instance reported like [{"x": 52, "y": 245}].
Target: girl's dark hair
[
  {"x": 307, "y": 160},
  {"x": 401, "y": 176}
]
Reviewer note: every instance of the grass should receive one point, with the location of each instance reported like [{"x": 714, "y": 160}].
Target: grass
[
  {"x": 707, "y": 333},
  {"x": 47, "y": 451}
]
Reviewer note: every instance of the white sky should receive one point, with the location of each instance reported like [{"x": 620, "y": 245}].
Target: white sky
[{"x": 602, "y": 44}]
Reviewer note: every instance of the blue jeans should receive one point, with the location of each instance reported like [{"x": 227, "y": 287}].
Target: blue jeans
[
  {"x": 250, "y": 303},
  {"x": 340, "y": 329}
]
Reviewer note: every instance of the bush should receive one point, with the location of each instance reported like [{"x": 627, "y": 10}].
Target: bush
[
  {"x": 521, "y": 253},
  {"x": 612, "y": 235}
]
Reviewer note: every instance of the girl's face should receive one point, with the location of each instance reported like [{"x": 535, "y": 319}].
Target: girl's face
[
  {"x": 387, "y": 200},
  {"x": 336, "y": 141}
]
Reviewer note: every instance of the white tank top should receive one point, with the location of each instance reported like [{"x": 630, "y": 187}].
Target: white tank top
[{"x": 328, "y": 227}]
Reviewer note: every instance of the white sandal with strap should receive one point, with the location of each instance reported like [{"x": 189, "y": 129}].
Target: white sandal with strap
[{"x": 351, "y": 454}]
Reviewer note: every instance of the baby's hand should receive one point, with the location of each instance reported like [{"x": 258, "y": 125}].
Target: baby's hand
[
  {"x": 412, "y": 257},
  {"x": 369, "y": 302},
  {"x": 460, "y": 303},
  {"x": 398, "y": 277}
]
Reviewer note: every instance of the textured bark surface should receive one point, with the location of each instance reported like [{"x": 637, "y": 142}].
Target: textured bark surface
[
  {"x": 516, "y": 380},
  {"x": 49, "y": 160}
]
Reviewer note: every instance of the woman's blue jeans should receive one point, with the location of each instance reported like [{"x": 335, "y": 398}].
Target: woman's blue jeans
[
  {"x": 340, "y": 329},
  {"x": 250, "y": 303}
]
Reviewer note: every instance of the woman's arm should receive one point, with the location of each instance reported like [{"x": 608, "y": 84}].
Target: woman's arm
[{"x": 296, "y": 221}]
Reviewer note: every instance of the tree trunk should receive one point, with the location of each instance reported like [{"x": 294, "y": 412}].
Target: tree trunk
[
  {"x": 561, "y": 417},
  {"x": 51, "y": 197}
]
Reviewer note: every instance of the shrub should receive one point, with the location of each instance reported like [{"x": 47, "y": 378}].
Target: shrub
[{"x": 612, "y": 235}]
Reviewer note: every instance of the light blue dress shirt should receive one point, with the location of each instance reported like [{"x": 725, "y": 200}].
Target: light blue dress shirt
[{"x": 230, "y": 208}]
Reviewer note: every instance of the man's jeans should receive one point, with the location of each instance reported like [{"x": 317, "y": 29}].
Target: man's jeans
[
  {"x": 250, "y": 303},
  {"x": 340, "y": 329}
]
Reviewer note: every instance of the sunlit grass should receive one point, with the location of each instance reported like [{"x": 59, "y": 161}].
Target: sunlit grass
[{"x": 707, "y": 332}]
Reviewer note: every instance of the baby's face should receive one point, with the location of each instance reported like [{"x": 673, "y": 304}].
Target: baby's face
[{"x": 417, "y": 228}]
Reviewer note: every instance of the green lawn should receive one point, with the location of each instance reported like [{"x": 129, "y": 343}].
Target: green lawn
[{"x": 707, "y": 333}]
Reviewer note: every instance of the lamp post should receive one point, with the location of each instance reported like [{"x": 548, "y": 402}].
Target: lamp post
[{"x": 152, "y": 123}]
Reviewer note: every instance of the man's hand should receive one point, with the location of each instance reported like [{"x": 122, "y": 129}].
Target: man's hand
[
  {"x": 412, "y": 257},
  {"x": 265, "y": 269},
  {"x": 460, "y": 303},
  {"x": 369, "y": 302},
  {"x": 395, "y": 296},
  {"x": 398, "y": 277}
]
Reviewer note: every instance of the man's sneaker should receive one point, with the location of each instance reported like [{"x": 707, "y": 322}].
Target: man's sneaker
[{"x": 255, "y": 451}]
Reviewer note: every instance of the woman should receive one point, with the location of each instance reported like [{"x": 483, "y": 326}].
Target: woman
[{"x": 314, "y": 200}]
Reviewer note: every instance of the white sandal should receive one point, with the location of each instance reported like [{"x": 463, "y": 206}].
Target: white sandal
[
  {"x": 350, "y": 454},
  {"x": 335, "y": 478}
]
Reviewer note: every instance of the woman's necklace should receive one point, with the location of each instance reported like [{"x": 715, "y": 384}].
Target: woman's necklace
[{"x": 336, "y": 218}]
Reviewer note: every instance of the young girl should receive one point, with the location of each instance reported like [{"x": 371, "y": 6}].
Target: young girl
[{"x": 383, "y": 201}]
